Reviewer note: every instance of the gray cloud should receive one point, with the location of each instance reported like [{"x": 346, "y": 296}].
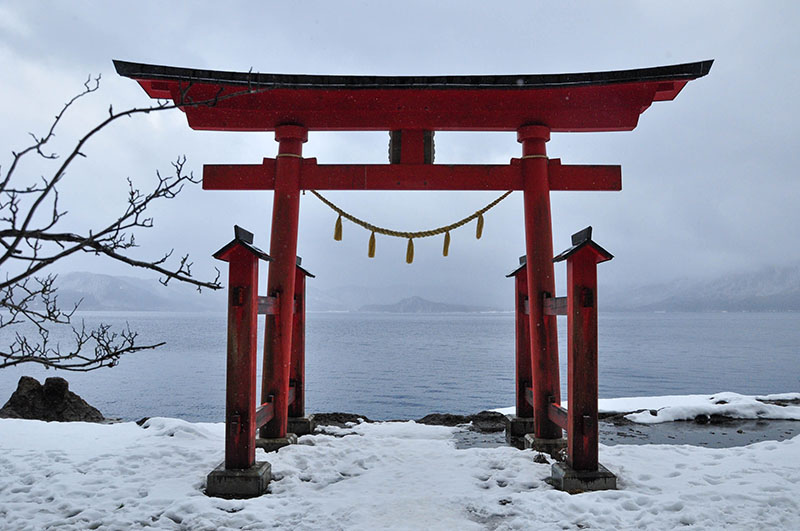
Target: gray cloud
[{"x": 709, "y": 180}]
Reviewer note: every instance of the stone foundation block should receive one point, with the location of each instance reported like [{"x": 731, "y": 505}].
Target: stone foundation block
[
  {"x": 516, "y": 429},
  {"x": 301, "y": 425},
  {"x": 273, "y": 445},
  {"x": 547, "y": 446},
  {"x": 563, "y": 477},
  {"x": 247, "y": 483}
]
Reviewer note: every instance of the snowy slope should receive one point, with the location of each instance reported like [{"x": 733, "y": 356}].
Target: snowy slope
[
  {"x": 380, "y": 476},
  {"x": 658, "y": 409}
]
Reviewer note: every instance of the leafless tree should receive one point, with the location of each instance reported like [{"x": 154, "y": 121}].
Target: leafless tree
[{"x": 32, "y": 239}]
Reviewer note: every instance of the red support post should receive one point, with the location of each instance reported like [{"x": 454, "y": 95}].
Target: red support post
[
  {"x": 523, "y": 345},
  {"x": 540, "y": 277},
  {"x": 582, "y": 423},
  {"x": 281, "y": 280},
  {"x": 582, "y": 361},
  {"x": 240, "y": 401},
  {"x": 298, "y": 363}
]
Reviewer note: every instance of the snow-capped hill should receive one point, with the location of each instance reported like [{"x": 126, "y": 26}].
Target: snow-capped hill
[
  {"x": 769, "y": 289},
  {"x": 420, "y": 305},
  {"x": 107, "y": 292}
]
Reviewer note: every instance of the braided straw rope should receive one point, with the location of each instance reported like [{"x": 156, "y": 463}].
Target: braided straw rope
[{"x": 404, "y": 234}]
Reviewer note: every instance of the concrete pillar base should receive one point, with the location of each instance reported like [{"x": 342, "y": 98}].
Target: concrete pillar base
[
  {"x": 247, "y": 483},
  {"x": 516, "y": 429},
  {"x": 547, "y": 446},
  {"x": 273, "y": 445},
  {"x": 563, "y": 477},
  {"x": 301, "y": 425}
]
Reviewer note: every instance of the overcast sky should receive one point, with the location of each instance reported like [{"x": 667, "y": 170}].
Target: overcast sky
[{"x": 709, "y": 180}]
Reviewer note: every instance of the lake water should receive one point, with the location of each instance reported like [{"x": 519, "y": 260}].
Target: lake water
[{"x": 400, "y": 366}]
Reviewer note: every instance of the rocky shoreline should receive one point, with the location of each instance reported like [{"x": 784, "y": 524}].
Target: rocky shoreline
[{"x": 53, "y": 401}]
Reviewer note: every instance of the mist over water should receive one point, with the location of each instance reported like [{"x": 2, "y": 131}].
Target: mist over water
[{"x": 398, "y": 366}]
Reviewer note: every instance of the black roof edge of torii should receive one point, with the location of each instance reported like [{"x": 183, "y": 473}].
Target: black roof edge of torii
[{"x": 686, "y": 71}]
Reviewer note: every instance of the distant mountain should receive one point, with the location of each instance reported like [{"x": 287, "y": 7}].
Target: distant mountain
[
  {"x": 771, "y": 289},
  {"x": 107, "y": 292},
  {"x": 420, "y": 305},
  {"x": 353, "y": 297}
]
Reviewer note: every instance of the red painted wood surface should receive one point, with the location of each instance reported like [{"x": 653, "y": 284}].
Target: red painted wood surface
[
  {"x": 240, "y": 402},
  {"x": 559, "y": 415},
  {"x": 588, "y": 109},
  {"x": 267, "y": 305},
  {"x": 281, "y": 279},
  {"x": 524, "y": 377},
  {"x": 264, "y": 414},
  {"x": 411, "y": 176},
  {"x": 582, "y": 359},
  {"x": 298, "y": 357},
  {"x": 541, "y": 278},
  {"x": 412, "y": 146},
  {"x": 245, "y": 101},
  {"x": 555, "y": 305},
  {"x": 529, "y": 395},
  {"x": 583, "y": 177}
]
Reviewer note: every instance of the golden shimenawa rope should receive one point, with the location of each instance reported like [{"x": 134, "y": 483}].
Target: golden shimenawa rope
[{"x": 404, "y": 234}]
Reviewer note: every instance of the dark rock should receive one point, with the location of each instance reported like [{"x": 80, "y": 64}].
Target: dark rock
[
  {"x": 541, "y": 459},
  {"x": 488, "y": 421},
  {"x": 702, "y": 419},
  {"x": 338, "y": 419},
  {"x": 55, "y": 390},
  {"x": 617, "y": 419},
  {"x": 52, "y": 401},
  {"x": 443, "y": 419},
  {"x": 484, "y": 422}
]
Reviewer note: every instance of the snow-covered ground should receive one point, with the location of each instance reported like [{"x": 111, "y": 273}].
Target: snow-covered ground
[
  {"x": 397, "y": 475},
  {"x": 657, "y": 409}
]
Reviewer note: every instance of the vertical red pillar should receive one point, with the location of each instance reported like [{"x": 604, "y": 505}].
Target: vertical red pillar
[
  {"x": 582, "y": 428},
  {"x": 240, "y": 401},
  {"x": 582, "y": 361},
  {"x": 298, "y": 363},
  {"x": 280, "y": 283},
  {"x": 540, "y": 277},
  {"x": 523, "y": 346}
]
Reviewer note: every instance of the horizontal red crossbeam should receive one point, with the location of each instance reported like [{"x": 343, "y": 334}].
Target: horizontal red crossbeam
[
  {"x": 245, "y": 101},
  {"x": 268, "y": 305},
  {"x": 558, "y": 415},
  {"x": 555, "y": 306},
  {"x": 264, "y": 413},
  {"x": 315, "y": 176}
]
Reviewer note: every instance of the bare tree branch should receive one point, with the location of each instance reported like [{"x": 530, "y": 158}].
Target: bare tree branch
[{"x": 32, "y": 239}]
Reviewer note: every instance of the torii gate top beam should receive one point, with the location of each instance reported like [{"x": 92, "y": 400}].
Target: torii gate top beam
[{"x": 594, "y": 101}]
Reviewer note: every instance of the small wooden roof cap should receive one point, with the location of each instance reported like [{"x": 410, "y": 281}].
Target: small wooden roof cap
[
  {"x": 522, "y": 263},
  {"x": 305, "y": 272},
  {"x": 583, "y": 239},
  {"x": 243, "y": 238}
]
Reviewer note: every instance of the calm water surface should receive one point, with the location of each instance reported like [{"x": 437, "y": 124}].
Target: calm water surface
[{"x": 394, "y": 366}]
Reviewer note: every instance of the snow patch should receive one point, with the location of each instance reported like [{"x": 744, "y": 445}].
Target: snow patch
[
  {"x": 390, "y": 475},
  {"x": 656, "y": 409}
]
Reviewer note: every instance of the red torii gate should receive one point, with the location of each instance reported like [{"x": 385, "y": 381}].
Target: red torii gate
[{"x": 412, "y": 108}]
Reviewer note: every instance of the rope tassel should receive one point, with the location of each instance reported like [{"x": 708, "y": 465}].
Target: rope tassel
[
  {"x": 337, "y": 230},
  {"x": 374, "y": 229},
  {"x": 410, "y": 251}
]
